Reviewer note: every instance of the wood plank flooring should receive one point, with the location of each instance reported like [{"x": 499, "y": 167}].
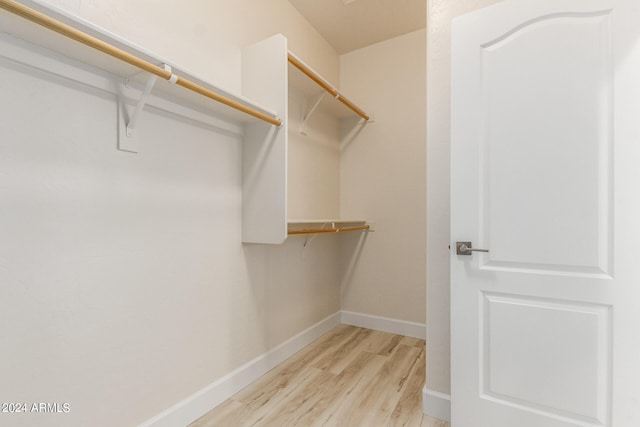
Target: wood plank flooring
[{"x": 349, "y": 377}]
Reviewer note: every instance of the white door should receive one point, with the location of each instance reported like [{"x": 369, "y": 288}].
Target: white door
[{"x": 546, "y": 176}]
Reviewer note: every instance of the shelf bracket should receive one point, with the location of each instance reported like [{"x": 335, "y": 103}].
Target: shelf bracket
[
  {"x": 127, "y": 140},
  {"x": 308, "y": 240},
  {"x": 303, "y": 125}
]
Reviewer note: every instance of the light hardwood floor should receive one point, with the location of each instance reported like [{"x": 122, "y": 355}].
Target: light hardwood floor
[{"x": 349, "y": 377}]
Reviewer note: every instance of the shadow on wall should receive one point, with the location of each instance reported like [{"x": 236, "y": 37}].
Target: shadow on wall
[
  {"x": 350, "y": 129},
  {"x": 291, "y": 287},
  {"x": 351, "y": 248}
]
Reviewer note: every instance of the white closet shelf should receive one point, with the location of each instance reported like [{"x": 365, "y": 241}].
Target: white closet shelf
[
  {"x": 316, "y": 226},
  {"x": 275, "y": 77},
  {"x": 17, "y": 26},
  {"x": 326, "y": 221}
]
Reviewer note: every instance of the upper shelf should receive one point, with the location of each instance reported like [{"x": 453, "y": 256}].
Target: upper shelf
[
  {"x": 312, "y": 84},
  {"x": 47, "y": 34}
]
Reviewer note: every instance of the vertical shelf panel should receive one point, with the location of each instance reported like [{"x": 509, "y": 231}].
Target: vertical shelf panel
[{"x": 264, "y": 168}]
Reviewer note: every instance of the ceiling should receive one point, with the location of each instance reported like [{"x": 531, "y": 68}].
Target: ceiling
[{"x": 351, "y": 24}]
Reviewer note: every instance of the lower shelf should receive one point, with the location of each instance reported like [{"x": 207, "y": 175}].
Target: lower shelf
[{"x": 315, "y": 226}]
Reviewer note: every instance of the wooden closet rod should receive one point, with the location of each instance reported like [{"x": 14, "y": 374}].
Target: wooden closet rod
[
  {"x": 86, "y": 39},
  {"x": 330, "y": 230},
  {"x": 325, "y": 85}
]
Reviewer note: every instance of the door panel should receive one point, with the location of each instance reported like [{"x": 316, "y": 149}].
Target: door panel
[
  {"x": 547, "y": 356},
  {"x": 527, "y": 109},
  {"x": 545, "y": 147}
]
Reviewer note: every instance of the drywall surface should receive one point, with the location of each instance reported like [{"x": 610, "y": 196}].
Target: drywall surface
[
  {"x": 313, "y": 160},
  {"x": 125, "y": 288},
  {"x": 205, "y": 37},
  {"x": 440, "y": 14},
  {"x": 383, "y": 178}
]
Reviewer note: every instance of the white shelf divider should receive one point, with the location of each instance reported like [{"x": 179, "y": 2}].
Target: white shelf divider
[{"x": 264, "y": 191}]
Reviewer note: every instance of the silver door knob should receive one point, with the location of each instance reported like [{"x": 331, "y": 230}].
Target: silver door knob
[{"x": 464, "y": 248}]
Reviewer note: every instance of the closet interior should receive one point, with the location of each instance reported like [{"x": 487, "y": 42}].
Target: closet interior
[
  {"x": 294, "y": 187},
  {"x": 291, "y": 147}
]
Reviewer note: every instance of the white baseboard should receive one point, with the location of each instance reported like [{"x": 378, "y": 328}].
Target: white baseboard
[
  {"x": 436, "y": 404},
  {"x": 198, "y": 404},
  {"x": 384, "y": 324}
]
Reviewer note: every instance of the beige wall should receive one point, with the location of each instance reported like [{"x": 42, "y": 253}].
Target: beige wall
[
  {"x": 141, "y": 314},
  {"x": 440, "y": 13},
  {"x": 313, "y": 159},
  {"x": 126, "y": 288},
  {"x": 206, "y": 36},
  {"x": 383, "y": 179}
]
